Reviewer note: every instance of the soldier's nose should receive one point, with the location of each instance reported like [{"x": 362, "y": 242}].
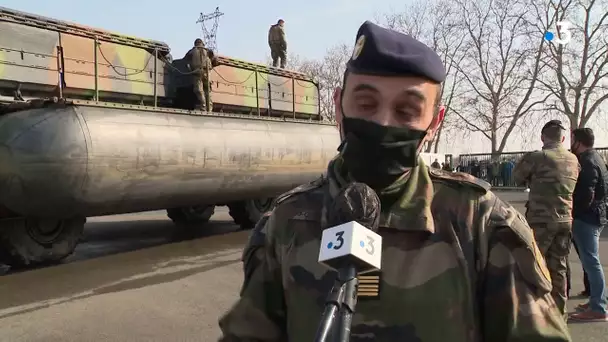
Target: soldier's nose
[{"x": 384, "y": 118}]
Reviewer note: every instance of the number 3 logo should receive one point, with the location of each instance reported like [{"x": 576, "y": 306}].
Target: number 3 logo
[
  {"x": 340, "y": 240},
  {"x": 370, "y": 246}
]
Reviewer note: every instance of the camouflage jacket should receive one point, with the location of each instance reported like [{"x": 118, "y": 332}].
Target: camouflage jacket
[
  {"x": 551, "y": 175},
  {"x": 459, "y": 265},
  {"x": 276, "y": 37},
  {"x": 199, "y": 60}
]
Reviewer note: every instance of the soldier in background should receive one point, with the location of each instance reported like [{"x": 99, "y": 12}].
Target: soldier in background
[
  {"x": 278, "y": 44},
  {"x": 551, "y": 175},
  {"x": 447, "y": 166},
  {"x": 454, "y": 255},
  {"x": 200, "y": 62}
]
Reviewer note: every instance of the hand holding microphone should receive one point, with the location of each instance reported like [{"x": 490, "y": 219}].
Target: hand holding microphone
[{"x": 350, "y": 246}]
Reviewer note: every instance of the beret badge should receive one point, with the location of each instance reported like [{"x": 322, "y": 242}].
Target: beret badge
[{"x": 358, "y": 47}]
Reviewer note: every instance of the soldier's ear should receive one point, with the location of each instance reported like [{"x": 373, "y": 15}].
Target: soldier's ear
[
  {"x": 338, "y": 103},
  {"x": 338, "y": 108},
  {"x": 437, "y": 120}
]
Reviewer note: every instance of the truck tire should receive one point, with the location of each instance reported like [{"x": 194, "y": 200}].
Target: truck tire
[
  {"x": 199, "y": 214},
  {"x": 31, "y": 242},
  {"x": 247, "y": 213}
]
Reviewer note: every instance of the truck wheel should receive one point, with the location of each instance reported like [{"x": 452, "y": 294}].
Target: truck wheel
[
  {"x": 247, "y": 213},
  {"x": 30, "y": 242},
  {"x": 198, "y": 214}
]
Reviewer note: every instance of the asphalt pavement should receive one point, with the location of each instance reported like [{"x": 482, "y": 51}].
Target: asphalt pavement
[{"x": 139, "y": 278}]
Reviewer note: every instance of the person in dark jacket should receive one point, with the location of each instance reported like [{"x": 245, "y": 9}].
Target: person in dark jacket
[{"x": 589, "y": 214}]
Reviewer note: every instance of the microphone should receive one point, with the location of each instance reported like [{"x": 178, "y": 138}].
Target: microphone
[
  {"x": 351, "y": 240},
  {"x": 351, "y": 246}
]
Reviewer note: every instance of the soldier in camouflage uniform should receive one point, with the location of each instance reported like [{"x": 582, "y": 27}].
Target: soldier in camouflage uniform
[
  {"x": 200, "y": 63},
  {"x": 278, "y": 44},
  {"x": 459, "y": 264},
  {"x": 551, "y": 175}
]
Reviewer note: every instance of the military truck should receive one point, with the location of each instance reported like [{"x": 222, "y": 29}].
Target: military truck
[{"x": 97, "y": 123}]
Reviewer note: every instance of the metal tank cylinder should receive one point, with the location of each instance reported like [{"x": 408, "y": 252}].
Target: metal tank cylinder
[
  {"x": 43, "y": 161},
  {"x": 90, "y": 160}
]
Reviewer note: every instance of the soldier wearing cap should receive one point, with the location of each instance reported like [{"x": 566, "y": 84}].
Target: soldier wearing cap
[
  {"x": 458, "y": 263},
  {"x": 551, "y": 175}
]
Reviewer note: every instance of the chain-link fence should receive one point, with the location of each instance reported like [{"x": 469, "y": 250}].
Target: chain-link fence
[{"x": 497, "y": 169}]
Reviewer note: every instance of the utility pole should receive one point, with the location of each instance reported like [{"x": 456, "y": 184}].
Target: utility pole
[{"x": 210, "y": 30}]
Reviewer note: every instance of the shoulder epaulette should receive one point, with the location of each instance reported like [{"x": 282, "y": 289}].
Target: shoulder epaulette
[
  {"x": 298, "y": 190},
  {"x": 460, "y": 178}
]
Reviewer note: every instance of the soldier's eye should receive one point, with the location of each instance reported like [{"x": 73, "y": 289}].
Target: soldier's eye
[
  {"x": 367, "y": 107},
  {"x": 366, "y": 104},
  {"x": 407, "y": 113}
]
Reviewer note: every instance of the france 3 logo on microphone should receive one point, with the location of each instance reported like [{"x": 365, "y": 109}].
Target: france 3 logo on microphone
[
  {"x": 351, "y": 243},
  {"x": 563, "y": 27}
]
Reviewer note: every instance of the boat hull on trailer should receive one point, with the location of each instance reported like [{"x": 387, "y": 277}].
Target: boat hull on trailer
[{"x": 89, "y": 160}]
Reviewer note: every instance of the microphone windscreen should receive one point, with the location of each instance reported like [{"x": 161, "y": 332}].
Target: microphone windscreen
[{"x": 356, "y": 202}]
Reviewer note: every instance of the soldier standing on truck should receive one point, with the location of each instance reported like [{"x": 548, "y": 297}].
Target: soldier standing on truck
[
  {"x": 278, "y": 44},
  {"x": 200, "y": 62}
]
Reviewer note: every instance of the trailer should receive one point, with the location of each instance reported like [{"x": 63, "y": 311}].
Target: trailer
[{"x": 97, "y": 123}]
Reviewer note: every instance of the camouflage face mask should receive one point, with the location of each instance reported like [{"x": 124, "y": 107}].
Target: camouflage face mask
[{"x": 378, "y": 155}]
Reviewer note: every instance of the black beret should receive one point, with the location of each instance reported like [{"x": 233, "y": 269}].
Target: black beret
[
  {"x": 383, "y": 52},
  {"x": 554, "y": 123}
]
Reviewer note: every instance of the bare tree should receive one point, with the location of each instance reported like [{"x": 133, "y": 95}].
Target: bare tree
[
  {"x": 578, "y": 77},
  {"x": 500, "y": 68},
  {"x": 333, "y": 66},
  {"x": 434, "y": 23},
  {"x": 413, "y": 19},
  {"x": 328, "y": 72}
]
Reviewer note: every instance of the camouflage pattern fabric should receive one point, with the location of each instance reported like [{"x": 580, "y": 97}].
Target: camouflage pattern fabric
[
  {"x": 551, "y": 175},
  {"x": 553, "y": 241},
  {"x": 278, "y": 54},
  {"x": 201, "y": 90},
  {"x": 459, "y": 265},
  {"x": 201, "y": 64},
  {"x": 276, "y": 37}
]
